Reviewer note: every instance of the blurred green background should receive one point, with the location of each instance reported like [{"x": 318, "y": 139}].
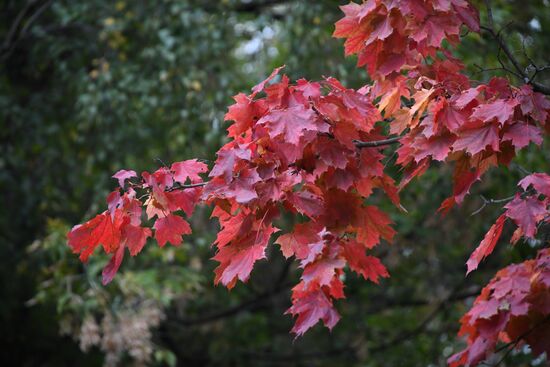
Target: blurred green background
[{"x": 91, "y": 87}]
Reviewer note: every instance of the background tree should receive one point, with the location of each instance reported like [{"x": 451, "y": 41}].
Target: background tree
[{"x": 89, "y": 88}]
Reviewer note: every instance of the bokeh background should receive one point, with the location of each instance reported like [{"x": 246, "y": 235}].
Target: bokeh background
[{"x": 88, "y": 87}]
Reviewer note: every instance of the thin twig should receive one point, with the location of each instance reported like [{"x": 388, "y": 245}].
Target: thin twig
[
  {"x": 35, "y": 16},
  {"x": 15, "y": 25},
  {"x": 519, "y": 70},
  {"x": 511, "y": 345},
  {"x": 489, "y": 13},
  {"x": 491, "y": 201},
  {"x": 442, "y": 305},
  {"x": 483, "y": 70},
  {"x": 357, "y": 143},
  {"x": 14, "y": 36},
  {"x": 189, "y": 186},
  {"x": 376, "y": 143}
]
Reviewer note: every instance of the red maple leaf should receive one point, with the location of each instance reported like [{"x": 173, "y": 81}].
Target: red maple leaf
[
  {"x": 233, "y": 227},
  {"x": 477, "y": 139},
  {"x": 534, "y": 104},
  {"x": 486, "y": 246},
  {"x": 185, "y": 200},
  {"x": 306, "y": 202},
  {"x": 369, "y": 267},
  {"x": 322, "y": 270},
  {"x": 539, "y": 181},
  {"x": 311, "y": 304},
  {"x": 500, "y": 110},
  {"x": 188, "y": 169},
  {"x": 84, "y": 238},
  {"x": 437, "y": 147},
  {"x": 228, "y": 156},
  {"x": 521, "y": 134},
  {"x": 170, "y": 229},
  {"x": 509, "y": 309},
  {"x": 135, "y": 237},
  {"x": 301, "y": 240},
  {"x": 526, "y": 213},
  {"x": 110, "y": 270},
  {"x": 236, "y": 261},
  {"x": 243, "y": 113},
  {"x": 372, "y": 224},
  {"x": 291, "y": 123},
  {"x": 260, "y": 86}
]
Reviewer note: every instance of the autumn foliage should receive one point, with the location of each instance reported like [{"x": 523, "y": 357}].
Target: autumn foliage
[{"x": 315, "y": 149}]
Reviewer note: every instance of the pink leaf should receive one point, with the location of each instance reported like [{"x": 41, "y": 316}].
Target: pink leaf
[
  {"x": 123, "y": 175},
  {"x": 188, "y": 169}
]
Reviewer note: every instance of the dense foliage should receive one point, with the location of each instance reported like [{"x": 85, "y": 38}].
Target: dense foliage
[
  {"x": 319, "y": 155},
  {"x": 317, "y": 169}
]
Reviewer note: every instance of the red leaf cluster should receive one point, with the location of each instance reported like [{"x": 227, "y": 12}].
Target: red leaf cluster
[
  {"x": 448, "y": 119},
  {"x": 120, "y": 226},
  {"x": 391, "y": 36},
  {"x": 294, "y": 148},
  {"x": 315, "y": 150},
  {"x": 514, "y": 308},
  {"x": 478, "y": 128}
]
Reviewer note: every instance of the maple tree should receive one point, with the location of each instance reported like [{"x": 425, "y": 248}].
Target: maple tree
[{"x": 316, "y": 150}]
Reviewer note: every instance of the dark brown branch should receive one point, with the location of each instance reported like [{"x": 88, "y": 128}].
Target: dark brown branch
[
  {"x": 250, "y": 305},
  {"x": 16, "y": 31},
  {"x": 15, "y": 25},
  {"x": 506, "y": 199},
  {"x": 442, "y": 306},
  {"x": 35, "y": 16},
  {"x": 376, "y": 143},
  {"x": 420, "y": 302},
  {"x": 410, "y": 333},
  {"x": 189, "y": 186},
  {"x": 258, "y": 6},
  {"x": 358, "y": 143},
  {"x": 350, "y": 351},
  {"x": 346, "y": 351},
  {"x": 253, "y": 7},
  {"x": 198, "y": 184},
  {"x": 261, "y": 299},
  {"x": 513, "y": 344},
  {"x": 520, "y": 72},
  {"x": 484, "y": 70},
  {"x": 489, "y": 13},
  {"x": 491, "y": 201}
]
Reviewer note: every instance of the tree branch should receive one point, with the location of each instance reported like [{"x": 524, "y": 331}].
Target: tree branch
[
  {"x": 18, "y": 32},
  {"x": 424, "y": 323},
  {"x": 358, "y": 143},
  {"x": 376, "y": 143},
  {"x": 491, "y": 201},
  {"x": 190, "y": 186},
  {"x": 255, "y": 7},
  {"x": 15, "y": 25},
  {"x": 519, "y": 70},
  {"x": 512, "y": 345},
  {"x": 258, "y": 301},
  {"x": 34, "y": 17},
  {"x": 250, "y": 305}
]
